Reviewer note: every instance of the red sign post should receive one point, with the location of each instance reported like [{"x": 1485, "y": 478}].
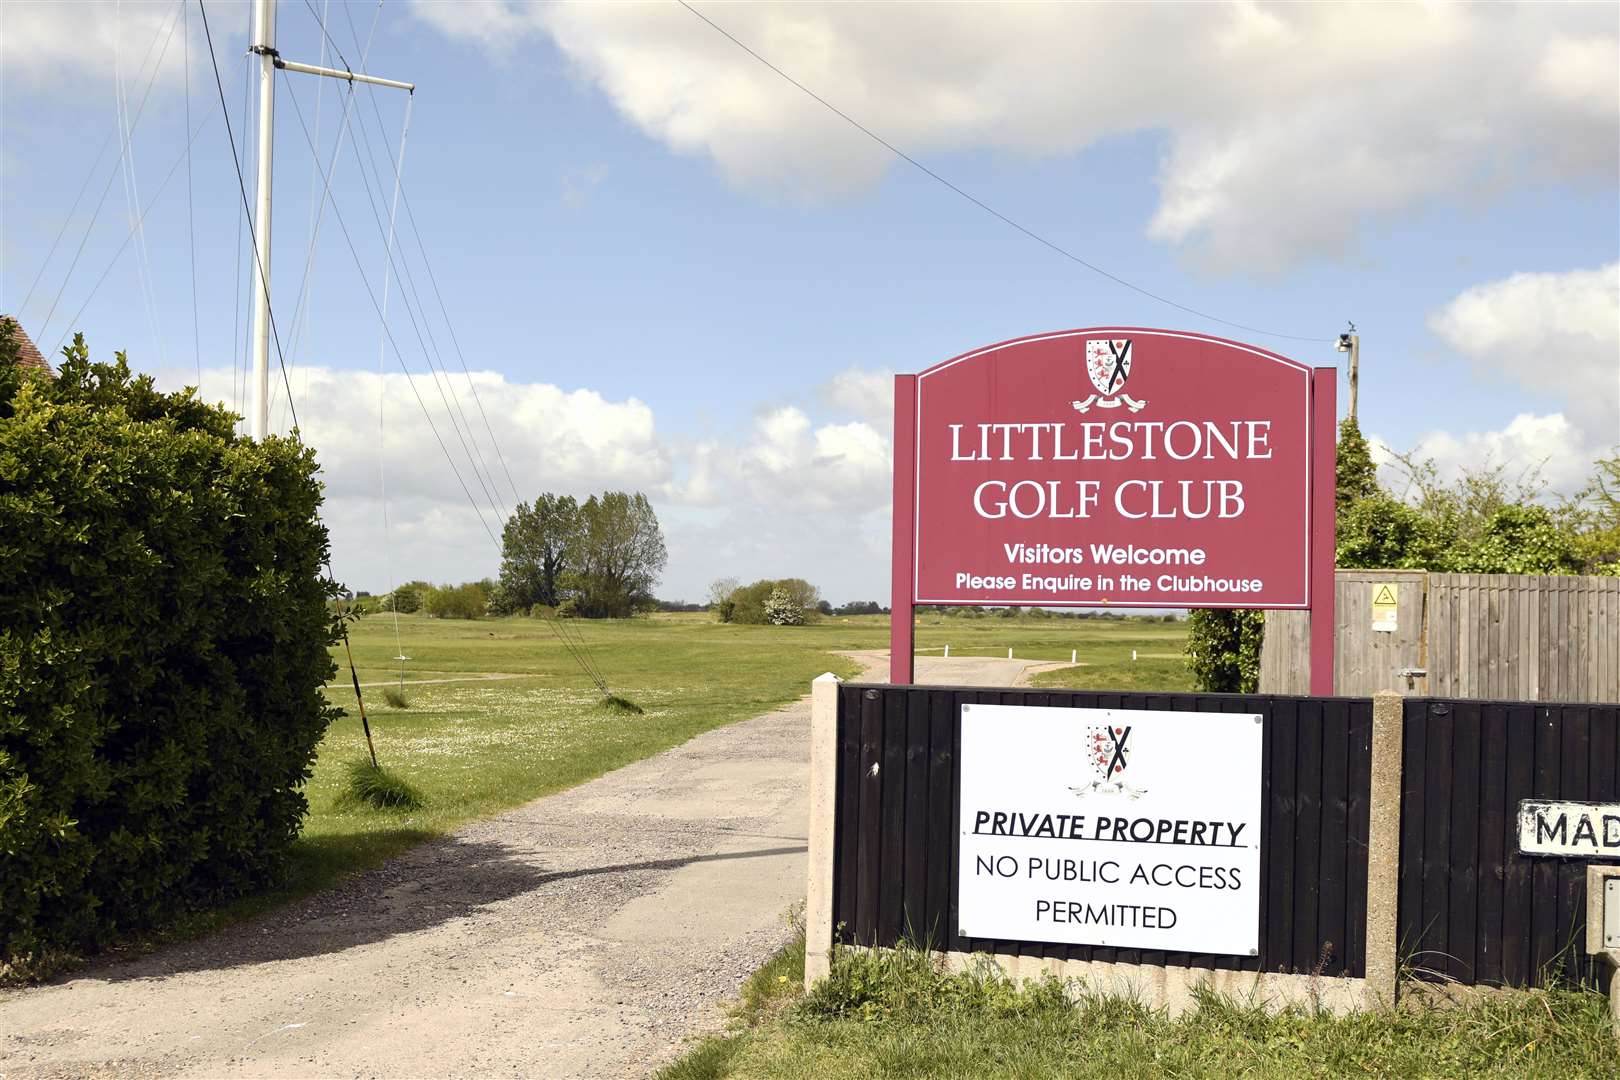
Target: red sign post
[{"x": 1115, "y": 467}]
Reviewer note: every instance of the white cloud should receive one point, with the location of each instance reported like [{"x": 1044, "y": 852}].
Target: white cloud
[
  {"x": 1555, "y": 333},
  {"x": 864, "y": 393},
  {"x": 54, "y": 45},
  {"x": 1288, "y": 126},
  {"x": 785, "y": 497},
  {"x": 1547, "y": 446}
]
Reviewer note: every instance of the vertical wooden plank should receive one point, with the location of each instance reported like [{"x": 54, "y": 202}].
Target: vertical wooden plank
[
  {"x": 1462, "y": 945},
  {"x": 1334, "y": 844},
  {"x": 1518, "y": 886},
  {"x": 892, "y": 861},
  {"x": 1308, "y": 838},
  {"x": 1358, "y": 822},
  {"x": 1414, "y": 816},
  {"x": 847, "y": 862},
  {"x": 953, "y": 919},
  {"x": 1532, "y": 657},
  {"x": 1491, "y": 656},
  {"x": 1494, "y": 818},
  {"x": 1544, "y": 873},
  {"x": 1575, "y": 746},
  {"x": 942, "y": 831},
  {"x": 914, "y": 916},
  {"x": 1436, "y": 842},
  {"x": 868, "y": 890}
]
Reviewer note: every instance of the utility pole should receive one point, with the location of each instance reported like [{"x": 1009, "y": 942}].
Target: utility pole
[
  {"x": 264, "y": 46},
  {"x": 1350, "y": 342}
]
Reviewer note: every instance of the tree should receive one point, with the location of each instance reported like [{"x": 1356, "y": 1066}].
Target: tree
[
  {"x": 538, "y": 545},
  {"x": 749, "y": 601},
  {"x": 782, "y": 609},
  {"x": 1357, "y": 476},
  {"x": 618, "y": 557},
  {"x": 720, "y": 601}
]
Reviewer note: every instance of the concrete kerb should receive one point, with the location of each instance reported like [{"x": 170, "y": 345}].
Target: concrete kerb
[{"x": 818, "y": 896}]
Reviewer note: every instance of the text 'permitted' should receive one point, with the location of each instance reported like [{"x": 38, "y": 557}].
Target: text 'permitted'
[{"x": 1107, "y": 827}]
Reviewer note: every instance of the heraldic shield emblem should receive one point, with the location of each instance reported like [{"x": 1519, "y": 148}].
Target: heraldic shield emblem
[
  {"x": 1107, "y": 749},
  {"x": 1108, "y": 362}
]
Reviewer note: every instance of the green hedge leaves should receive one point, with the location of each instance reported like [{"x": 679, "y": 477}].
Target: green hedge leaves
[{"x": 163, "y": 644}]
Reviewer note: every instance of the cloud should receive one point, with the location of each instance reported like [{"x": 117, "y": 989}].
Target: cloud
[
  {"x": 1287, "y": 127},
  {"x": 55, "y": 46},
  {"x": 1547, "y": 446},
  {"x": 1556, "y": 333},
  {"x": 864, "y": 393},
  {"x": 787, "y": 496}
]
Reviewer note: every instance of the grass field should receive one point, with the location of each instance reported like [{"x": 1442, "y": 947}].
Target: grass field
[
  {"x": 894, "y": 1016},
  {"x": 475, "y": 745}
]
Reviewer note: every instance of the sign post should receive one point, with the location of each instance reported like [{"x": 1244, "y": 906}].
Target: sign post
[
  {"x": 1116, "y": 467},
  {"x": 901, "y": 669}
]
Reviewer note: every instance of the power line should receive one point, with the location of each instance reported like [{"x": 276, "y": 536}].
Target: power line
[
  {"x": 191, "y": 210},
  {"x": 134, "y": 228},
  {"x": 986, "y": 207},
  {"x": 427, "y": 262},
  {"x": 241, "y": 185},
  {"x": 399, "y": 356},
  {"x": 402, "y": 271},
  {"x": 123, "y": 147},
  {"x": 576, "y": 645}
]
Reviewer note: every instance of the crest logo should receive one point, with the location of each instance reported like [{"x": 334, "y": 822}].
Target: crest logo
[
  {"x": 1108, "y": 362},
  {"x": 1108, "y": 751}
]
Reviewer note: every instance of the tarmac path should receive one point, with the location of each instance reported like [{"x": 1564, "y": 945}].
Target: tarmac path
[{"x": 589, "y": 933}]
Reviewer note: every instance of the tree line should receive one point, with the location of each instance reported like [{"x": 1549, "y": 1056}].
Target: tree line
[{"x": 596, "y": 559}]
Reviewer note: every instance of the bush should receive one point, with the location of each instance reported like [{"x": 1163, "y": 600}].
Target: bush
[
  {"x": 466, "y": 601},
  {"x": 163, "y": 644},
  {"x": 1223, "y": 649},
  {"x": 782, "y": 609},
  {"x": 748, "y": 603}
]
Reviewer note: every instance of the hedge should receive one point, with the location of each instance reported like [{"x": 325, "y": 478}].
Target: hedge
[{"x": 163, "y": 644}]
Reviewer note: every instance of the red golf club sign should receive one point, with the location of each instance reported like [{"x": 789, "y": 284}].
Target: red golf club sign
[{"x": 1114, "y": 466}]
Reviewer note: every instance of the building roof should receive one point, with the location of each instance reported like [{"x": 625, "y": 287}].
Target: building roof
[{"x": 28, "y": 353}]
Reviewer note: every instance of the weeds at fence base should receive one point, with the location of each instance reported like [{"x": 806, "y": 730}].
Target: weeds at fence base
[
  {"x": 378, "y": 788},
  {"x": 623, "y": 706}
]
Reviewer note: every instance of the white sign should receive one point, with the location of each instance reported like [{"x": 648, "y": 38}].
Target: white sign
[
  {"x": 1125, "y": 828},
  {"x": 1569, "y": 829}
]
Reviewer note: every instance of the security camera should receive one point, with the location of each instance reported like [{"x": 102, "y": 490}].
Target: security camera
[{"x": 1344, "y": 343}]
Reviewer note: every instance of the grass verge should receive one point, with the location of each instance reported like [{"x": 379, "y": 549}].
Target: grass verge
[{"x": 896, "y": 1015}]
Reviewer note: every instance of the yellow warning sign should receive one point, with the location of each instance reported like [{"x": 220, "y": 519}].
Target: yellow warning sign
[{"x": 1384, "y": 606}]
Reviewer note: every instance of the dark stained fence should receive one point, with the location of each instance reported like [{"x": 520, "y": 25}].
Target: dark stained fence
[
  {"x": 894, "y": 874},
  {"x": 1472, "y": 908}
]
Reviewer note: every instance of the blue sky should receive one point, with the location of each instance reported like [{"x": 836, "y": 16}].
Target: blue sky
[{"x": 678, "y": 274}]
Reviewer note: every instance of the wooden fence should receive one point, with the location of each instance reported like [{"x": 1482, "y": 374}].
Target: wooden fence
[
  {"x": 1443, "y": 893},
  {"x": 1476, "y": 635},
  {"x": 1471, "y": 907},
  {"x": 894, "y": 872}
]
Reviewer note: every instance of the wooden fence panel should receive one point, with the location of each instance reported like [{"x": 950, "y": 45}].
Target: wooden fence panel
[
  {"x": 1486, "y": 636},
  {"x": 1471, "y": 908},
  {"x": 895, "y": 872}
]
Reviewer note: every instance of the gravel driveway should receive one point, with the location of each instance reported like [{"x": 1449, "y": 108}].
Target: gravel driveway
[{"x": 587, "y": 934}]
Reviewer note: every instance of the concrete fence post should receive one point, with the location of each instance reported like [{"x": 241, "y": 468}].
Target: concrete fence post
[
  {"x": 1384, "y": 848},
  {"x": 818, "y": 894}
]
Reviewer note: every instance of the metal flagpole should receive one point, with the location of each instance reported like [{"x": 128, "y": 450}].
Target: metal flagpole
[{"x": 264, "y": 45}]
